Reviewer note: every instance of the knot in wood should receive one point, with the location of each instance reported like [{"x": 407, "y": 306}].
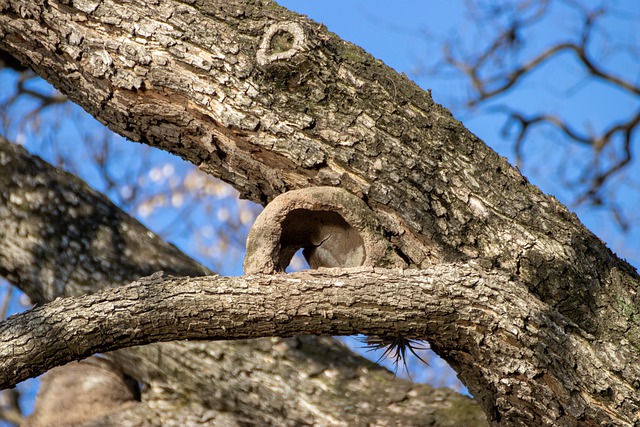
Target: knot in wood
[
  {"x": 332, "y": 226},
  {"x": 281, "y": 41}
]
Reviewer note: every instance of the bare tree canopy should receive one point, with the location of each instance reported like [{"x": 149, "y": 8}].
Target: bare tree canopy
[
  {"x": 596, "y": 45},
  {"x": 536, "y": 314}
]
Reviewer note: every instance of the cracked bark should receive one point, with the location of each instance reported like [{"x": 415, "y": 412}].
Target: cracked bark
[
  {"x": 189, "y": 383},
  {"x": 192, "y": 79},
  {"x": 411, "y": 303},
  {"x": 414, "y": 303}
]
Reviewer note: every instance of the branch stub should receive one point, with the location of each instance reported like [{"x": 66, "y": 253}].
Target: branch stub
[{"x": 334, "y": 228}]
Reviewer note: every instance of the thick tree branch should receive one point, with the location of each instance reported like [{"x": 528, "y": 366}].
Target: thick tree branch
[
  {"x": 67, "y": 239},
  {"x": 327, "y": 116},
  {"x": 480, "y": 311},
  {"x": 36, "y": 197},
  {"x": 203, "y": 81},
  {"x": 152, "y": 310}
]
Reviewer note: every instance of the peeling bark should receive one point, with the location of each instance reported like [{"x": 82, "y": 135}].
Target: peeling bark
[{"x": 223, "y": 85}]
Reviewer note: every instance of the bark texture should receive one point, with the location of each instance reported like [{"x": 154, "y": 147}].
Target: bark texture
[
  {"x": 62, "y": 238},
  {"x": 271, "y": 102},
  {"x": 334, "y": 227},
  {"x": 349, "y": 301},
  {"x": 487, "y": 309},
  {"x": 255, "y": 382}
]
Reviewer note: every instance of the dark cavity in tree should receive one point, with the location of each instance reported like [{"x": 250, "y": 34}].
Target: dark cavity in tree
[{"x": 326, "y": 238}]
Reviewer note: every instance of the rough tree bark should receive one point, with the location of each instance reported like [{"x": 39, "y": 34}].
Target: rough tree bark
[
  {"x": 271, "y": 102},
  {"x": 53, "y": 226}
]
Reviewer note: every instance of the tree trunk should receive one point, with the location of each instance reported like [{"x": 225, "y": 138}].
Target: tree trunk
[{"x": 271, "y": 102}]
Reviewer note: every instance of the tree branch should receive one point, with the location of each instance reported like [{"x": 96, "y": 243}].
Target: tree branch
[
  {"x": 152, "y": 309},
  {"x": 490, "y": 317},
  {"x": 492, "y": 76},
  {"x": 201, "y": 81},
  {"x": 78, "y": 239},
  {"x": 599, "y": 172},
  {"x": 35, "y": 196},
  {"x": 325, "y": 116}
]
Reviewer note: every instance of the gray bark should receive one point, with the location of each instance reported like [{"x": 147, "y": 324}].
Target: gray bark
[
  {"x": 67, "y": 239},
  {"x": 320, "y": 302},
  {"x": 188, "y": 383},
  {"x": 214, "y": 83},
  {"x": 412, "y": 303}
]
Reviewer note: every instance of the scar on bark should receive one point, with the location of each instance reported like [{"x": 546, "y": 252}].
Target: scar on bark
[
  {"x": 281, "y": 41},
  {"x": 332, "y": 226}
]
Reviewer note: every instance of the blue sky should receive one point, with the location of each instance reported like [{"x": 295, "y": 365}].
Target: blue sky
[{"x": 407, "y": 36}]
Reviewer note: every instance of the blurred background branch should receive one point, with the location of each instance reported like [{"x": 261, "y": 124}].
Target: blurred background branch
[{"x": 565, "y": 52}]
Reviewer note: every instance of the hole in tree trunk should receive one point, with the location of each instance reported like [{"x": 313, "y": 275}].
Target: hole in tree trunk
[
  {"x": 326, "y": 239},
  {"x": 298, "y": 263}
]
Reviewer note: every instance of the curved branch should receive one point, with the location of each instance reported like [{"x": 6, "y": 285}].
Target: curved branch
[
  {"x": 36, "y": 195},
  {"x": 513, "y": 77},
  {"x": 483, "y": 311}
]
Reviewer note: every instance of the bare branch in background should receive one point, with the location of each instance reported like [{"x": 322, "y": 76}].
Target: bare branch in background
[
  {"x": 514, "y": 50},
  {"x": 44, "y": 99},
  {"x": 598, "y": 172}
]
